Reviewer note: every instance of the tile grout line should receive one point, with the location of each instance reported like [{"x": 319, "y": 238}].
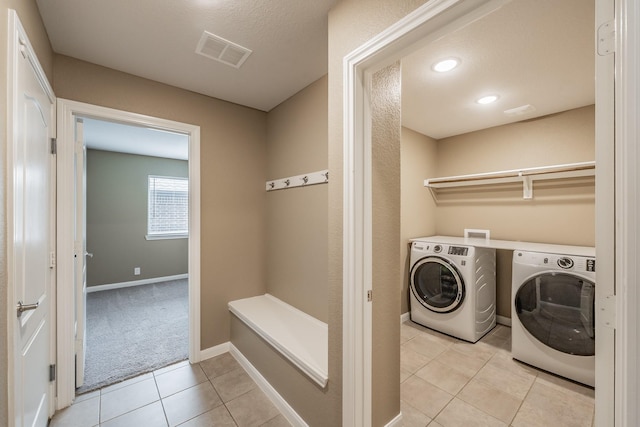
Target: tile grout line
[
  {"x": 164, "y": 411},
  {"x": 456, "y": 395},
  {"x": 523, "y": 399}
]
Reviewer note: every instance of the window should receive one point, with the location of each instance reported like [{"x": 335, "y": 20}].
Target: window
[{"x": 168, "y": 212}]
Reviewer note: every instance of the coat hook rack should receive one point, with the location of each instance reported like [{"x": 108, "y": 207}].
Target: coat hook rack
[{"x": 313, "y": 178}]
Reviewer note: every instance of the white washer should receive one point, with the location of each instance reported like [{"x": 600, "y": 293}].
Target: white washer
[
  {"x": 453, "y": 288},
  {"x": 552, "y": 321}
]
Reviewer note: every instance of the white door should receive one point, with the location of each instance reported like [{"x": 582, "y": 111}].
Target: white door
[
  {"x": 80, "y": 243},
  {"x": 31, "y": 183}
]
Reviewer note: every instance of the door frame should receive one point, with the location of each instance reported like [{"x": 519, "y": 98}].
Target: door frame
[
  {"x": 67, "y": 111},
  {"x": 627, "y": 213},
  {"x": 391, "y": 45}
]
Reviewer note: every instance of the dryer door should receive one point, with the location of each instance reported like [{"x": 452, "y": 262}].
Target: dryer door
[
  {"x": 558, "y": 310},
  {"x": 437, "y": 284}
]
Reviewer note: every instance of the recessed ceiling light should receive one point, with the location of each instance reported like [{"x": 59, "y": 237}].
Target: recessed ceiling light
[
  {"x": 487, "y": 99},
  {"x": 445, "y": 65}
]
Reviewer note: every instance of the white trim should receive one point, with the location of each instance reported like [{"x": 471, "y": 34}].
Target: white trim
[
  {"x": 404, "y": 317},
  {"x": 194, "y": 244},
  {"x": 396, "y": 421},
  {"x": 627, "y": 213},
  {"x": 283, "y": 406},
  {"x": 111, "y": 286},
  {"x": 358, "y": 67},
  {"x": 605, "y": 370},
  {"x": 502, "y": 320},
  {"x": 165, "y": 236},
  {"x": 67, "y": 110},
  {"x": 214, "y": 351}
]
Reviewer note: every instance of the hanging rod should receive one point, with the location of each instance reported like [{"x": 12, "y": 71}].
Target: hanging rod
[
  {"x": 526, "y": 176},
  {"x": 320, "y": 177}
]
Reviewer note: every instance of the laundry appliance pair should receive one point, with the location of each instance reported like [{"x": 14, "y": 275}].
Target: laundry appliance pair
[{"x": 453, "y": 288}]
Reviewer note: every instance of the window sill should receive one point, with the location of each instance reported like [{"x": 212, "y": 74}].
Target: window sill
[{"x": 166, "y": 236}]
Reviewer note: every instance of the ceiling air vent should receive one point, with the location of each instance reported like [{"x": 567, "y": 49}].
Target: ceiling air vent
[{"x": 222, "y": 50}]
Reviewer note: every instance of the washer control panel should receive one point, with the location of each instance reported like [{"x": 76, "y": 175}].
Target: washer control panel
[
  {"x": 437, "y": 248},
  {"x": 458, "y": 250}
]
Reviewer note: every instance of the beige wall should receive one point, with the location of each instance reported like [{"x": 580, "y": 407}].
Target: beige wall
[
  {"x": 297, "y": 218},
  {"x": 352, "y": 23},
  {"x": 560, "y": 212},
  {"x": 117, "y": 190},
  {"x": 232, "y": 153},
  {"x": 30, "y": 18},
  {"x": 386, "y": 130},
  {"x": 418, "y": 161}
]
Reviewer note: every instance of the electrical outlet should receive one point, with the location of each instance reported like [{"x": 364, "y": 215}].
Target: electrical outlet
[{"x": 136, "y": 271}]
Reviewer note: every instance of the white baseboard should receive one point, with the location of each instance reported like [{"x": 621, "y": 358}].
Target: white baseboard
[
  {"x": 214, "y": 351},
  {"x": 396, "y": 422},
  {"x": 135, "y": 283},
  {"x": 501, "y": 320},
  {"x": 404, "y": 317},
  {"x": 285, "y": 409}
]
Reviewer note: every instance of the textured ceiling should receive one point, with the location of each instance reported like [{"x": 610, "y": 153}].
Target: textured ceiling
[
  {"x": 123, "y": 138},
  {"x": 537, "y": 52},
  {"x": 157, "y": 39}
]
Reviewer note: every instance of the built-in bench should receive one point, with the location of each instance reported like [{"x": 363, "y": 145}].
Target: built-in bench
[{"x": 299, "y": 337}]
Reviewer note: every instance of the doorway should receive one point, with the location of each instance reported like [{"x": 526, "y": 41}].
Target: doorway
[
  {"x": 136, "y": 232},
  {"x": 68, "y": 113},
  {"x": 360, "y": 66},
  {"x": 506, "y": 54}
]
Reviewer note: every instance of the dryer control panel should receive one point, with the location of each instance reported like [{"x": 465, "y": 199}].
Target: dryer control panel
[{"x": 556, "y": 261}]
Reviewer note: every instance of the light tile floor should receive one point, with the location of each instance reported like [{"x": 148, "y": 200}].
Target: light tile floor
[
  {"x": 444, "y": 382},
  {"x": 451, "y": 383},
  {"x": 216, "y": 392}
]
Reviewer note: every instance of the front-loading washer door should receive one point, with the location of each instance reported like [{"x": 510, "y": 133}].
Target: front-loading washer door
[
  {"x": 437, "y": 284},
  {"x": 558, "y": 310}
]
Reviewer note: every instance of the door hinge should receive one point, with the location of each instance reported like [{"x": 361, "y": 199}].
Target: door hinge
[
  {"x": 54, "y": 146},
  {"x": 52, "y": 373},
  {"x": 369, "y": 296},
  {"x": 607, "y": 38},
  {"x": 23, "y": 48},
  {"x": 606, "y": 314},
  {"x": 52, "y": 260}
]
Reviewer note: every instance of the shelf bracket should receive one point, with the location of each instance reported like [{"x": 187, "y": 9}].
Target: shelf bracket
[{"x": 527, "y": 187}]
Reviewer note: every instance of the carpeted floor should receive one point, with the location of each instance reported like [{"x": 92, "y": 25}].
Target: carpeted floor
[{"x": 135, "y": 330}]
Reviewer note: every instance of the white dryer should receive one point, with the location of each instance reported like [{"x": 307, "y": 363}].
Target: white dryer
[
  {"x": 552, "y": 321},
  {"x": 453, "y": 288}
]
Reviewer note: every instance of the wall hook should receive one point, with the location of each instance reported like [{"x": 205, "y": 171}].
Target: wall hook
[{"x": 305, "y": 180}]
